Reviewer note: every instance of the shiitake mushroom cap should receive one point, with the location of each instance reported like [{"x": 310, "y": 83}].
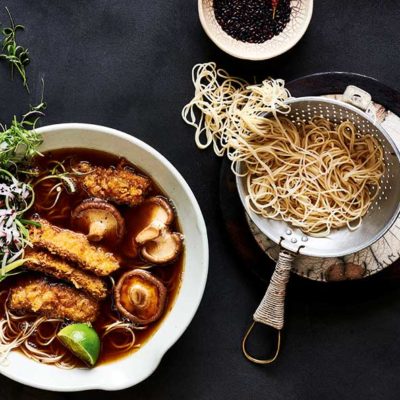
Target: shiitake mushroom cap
[
  {"x": 99, "y": 220},
  {"x": 140, "y": 297},
  {"x": 162, "y": 215},
  {"x": 163, "y": 249}
]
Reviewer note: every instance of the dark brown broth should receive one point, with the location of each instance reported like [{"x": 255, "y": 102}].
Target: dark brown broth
[{"x": 60, "y": 216}]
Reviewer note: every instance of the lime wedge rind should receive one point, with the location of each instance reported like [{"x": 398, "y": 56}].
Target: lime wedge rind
[{"x": 83, "y": 341}]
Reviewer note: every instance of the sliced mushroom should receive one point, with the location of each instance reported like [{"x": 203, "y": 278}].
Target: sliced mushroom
[
  {"x": 99, "y": 220},
  {"x": 140, "y": 296},
  {"x": 163, "y": 249},
  {"x": 161, "y": 215},
  {"x": 146, "y": 222}
]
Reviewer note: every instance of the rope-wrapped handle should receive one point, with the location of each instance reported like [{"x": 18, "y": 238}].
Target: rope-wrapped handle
[{"x": 271, "y": 310}]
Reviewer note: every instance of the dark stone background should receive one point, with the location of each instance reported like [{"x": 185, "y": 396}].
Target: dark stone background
[{"x": 126, "y": 64}]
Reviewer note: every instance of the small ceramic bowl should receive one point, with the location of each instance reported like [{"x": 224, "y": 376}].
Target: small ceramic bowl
[
  {"x": 137, "y": 366},
  {"x": 293, "y": 32}
]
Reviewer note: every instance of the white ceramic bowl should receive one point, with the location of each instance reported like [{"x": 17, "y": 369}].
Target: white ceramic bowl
[
  {"x": 293, "y": 32},
  {"x": 136, "y": 367}
]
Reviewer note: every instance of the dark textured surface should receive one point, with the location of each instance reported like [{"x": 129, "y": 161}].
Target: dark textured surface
[{"x": 126, "y": 64}]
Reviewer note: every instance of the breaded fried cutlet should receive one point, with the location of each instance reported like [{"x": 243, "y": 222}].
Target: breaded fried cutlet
[
  {"x": 119, "y": 185},
  {"x": 42, "y": 261},
  {"x": 52, "y": 300},
  {"x": 74, "y": 247}
]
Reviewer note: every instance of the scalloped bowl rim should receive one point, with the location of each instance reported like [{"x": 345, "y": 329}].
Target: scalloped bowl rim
[
  {"x": 133, "y": 368},
  {"x": 263, "y": 56}
]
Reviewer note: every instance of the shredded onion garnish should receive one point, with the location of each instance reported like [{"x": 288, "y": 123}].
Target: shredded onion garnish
[{"x": 15, "y": 199}]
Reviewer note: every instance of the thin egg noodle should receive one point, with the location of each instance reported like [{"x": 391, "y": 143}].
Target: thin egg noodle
[{"x": 316, "y": 175}]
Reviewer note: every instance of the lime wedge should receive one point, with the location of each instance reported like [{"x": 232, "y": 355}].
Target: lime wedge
[{"x": 82, "y": 340}]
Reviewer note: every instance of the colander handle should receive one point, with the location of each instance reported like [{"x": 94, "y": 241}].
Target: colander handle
[
  {"x": 359, "y": 98},
  {"x": 271, "y": 310}
]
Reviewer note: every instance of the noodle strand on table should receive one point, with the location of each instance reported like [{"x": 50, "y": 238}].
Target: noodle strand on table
[{"x": 315, "y": 175}]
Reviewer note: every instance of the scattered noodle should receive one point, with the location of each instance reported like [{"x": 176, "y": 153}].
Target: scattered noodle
[
  {"x": 121, "y": 329},
  {"x": 16, "y": 332},
  {"x": 316, "y": 176},
  {"x": 223, "y": 100},
  {"x": 36, "y": 337}
]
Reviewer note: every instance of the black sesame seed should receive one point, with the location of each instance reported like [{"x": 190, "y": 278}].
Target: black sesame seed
[{"x": 252, "y": 21}]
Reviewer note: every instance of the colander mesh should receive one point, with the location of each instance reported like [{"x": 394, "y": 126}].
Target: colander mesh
[{"x": 305, "y": 111}]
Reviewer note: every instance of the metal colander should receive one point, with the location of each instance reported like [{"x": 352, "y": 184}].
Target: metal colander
[
  {"x": 340, "y": 242},
  {"x": 382, "y": 213}
]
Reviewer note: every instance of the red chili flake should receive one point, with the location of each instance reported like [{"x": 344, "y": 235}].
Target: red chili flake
[{"x": 275, "y": 4}]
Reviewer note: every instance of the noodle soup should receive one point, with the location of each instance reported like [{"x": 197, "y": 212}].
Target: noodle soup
[{"x": 59, "y": 191}]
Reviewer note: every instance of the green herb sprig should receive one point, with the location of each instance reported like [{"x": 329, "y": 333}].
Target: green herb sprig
[
  {"x": 20, "y": 141},
  {"x": 16, "y": 55}
]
